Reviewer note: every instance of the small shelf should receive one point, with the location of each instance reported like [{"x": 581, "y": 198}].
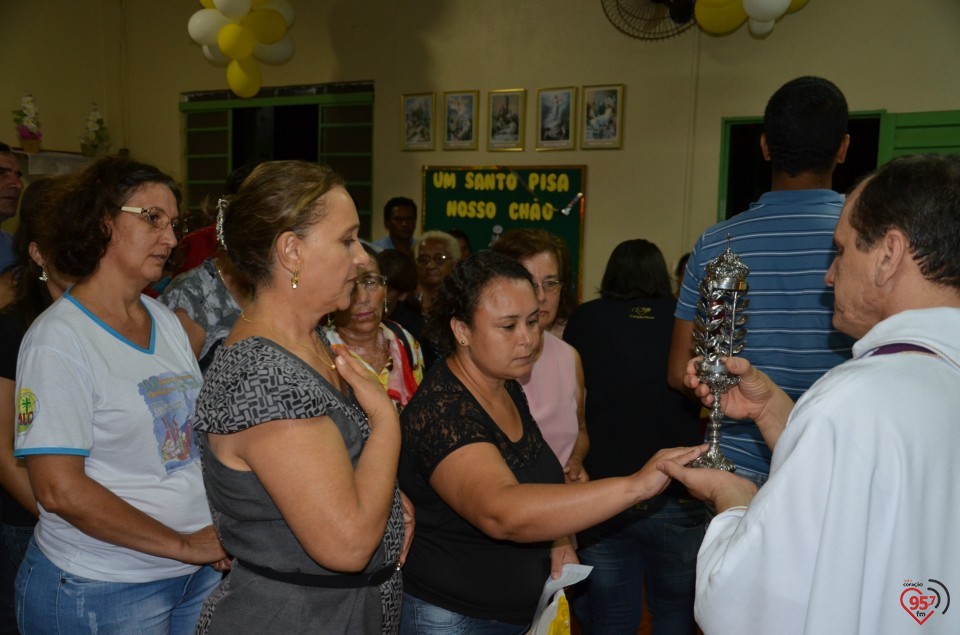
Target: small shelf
[{"x": 42, "y": 163}]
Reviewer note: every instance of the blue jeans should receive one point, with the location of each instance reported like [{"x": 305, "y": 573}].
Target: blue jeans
[
  {"x": 419, "y": 617},
  {"x": 51, "y": 600},
  {"x": 655, "y": 542}
]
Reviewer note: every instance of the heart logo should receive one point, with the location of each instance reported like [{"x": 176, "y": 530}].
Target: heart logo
[{"x": 919, "y": 607}]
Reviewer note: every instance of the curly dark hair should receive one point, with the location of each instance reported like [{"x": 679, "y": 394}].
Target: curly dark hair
[
  {"x": 920, "y": 196},
  {"x": 524, "y": 243},
  {"x": 77, "y": 239},
  {"x": 278, "y": 196},
  {"x": 804, "y": 125},
  {"x": 460, "y": 292}
]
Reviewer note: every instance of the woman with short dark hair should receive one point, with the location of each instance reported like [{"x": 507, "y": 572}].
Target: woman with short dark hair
[
  {"x": 493, "y": 518},
  {"x": 106, "y": 387}
]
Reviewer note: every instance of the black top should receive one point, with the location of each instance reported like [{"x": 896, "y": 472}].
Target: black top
[
  {"x": 452, "y": 564},
  {"x": 12, "y": 329},
  {"x": 631, "y": 412}
]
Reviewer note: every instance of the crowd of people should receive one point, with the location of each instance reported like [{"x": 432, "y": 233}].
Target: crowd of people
[{"x": 311, "y": 433}]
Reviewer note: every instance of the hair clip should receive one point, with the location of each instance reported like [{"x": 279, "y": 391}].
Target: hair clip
[{"x": 222, "y": 205}]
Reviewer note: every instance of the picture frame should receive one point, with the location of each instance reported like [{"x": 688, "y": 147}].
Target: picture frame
[
  {"x": 556, "y": 118},
  {"x": 601, "y": 121},
  {"x": 417, "y": 121},
  {"x": 505, "y": 119},
  {"x": 460, "y": 119}
]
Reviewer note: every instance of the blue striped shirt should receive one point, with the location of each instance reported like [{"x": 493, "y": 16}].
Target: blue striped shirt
[{"x": 786, "y": 239}]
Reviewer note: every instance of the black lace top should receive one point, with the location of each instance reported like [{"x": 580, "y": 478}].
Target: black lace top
[{"x": 452, "y": 564}]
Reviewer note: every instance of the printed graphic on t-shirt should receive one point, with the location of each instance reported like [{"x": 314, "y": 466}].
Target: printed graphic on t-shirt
[
  {"x": 27, "y": 408},
  {"x": 171, "y": 399}
]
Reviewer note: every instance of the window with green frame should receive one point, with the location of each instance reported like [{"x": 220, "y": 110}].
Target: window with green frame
[{"x": 329, "y": 123}]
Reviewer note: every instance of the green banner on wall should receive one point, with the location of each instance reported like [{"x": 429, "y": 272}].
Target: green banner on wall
[{"x": 485, "y": 202}]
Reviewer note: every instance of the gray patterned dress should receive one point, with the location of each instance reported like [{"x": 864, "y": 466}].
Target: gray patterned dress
[{"x": 252, "y": 382}]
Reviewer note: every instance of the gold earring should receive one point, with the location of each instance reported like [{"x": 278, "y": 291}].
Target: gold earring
[
  {"x": 295, "y": 280},
  {"x": 386, "y": 309},
  {"x": 43, "y": 277}
]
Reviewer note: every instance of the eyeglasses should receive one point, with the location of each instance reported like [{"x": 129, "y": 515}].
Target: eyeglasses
[
  {"x": 157, "y": 218},
  {"x": 438, "y": 259},
  {"x": 371, "y": 282},
  {"x": 548, "y": 286}
]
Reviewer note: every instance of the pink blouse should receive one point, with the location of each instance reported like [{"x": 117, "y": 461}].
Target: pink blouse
[{"x": 551, "y": 390}]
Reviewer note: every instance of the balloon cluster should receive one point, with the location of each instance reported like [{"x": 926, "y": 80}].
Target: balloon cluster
[
  {"x": 239, "y": 34},
  {"x": 719, "y": 17}
]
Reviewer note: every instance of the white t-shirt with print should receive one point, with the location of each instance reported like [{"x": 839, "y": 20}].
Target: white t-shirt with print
[{"x": 85, "y": 390}]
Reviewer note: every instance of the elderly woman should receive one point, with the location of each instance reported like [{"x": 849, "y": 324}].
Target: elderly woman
[
  {"x": 300, "y": 470},
  {"x": 633, "y": 412},
  {"x": 106, "y": 387},
  {"x": 493, "y": 517},
  {"x": 554, "y": 387},
  {"x": 382, "y": 346},
  {"x": 436, "y": 253}
]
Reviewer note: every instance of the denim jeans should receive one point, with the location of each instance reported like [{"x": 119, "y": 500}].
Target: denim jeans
[
  {"x": 15, "y": 541},
  {"x": 419, "y": 617},
  {"x": 655, "y": 542},
  {"x": 51, "y": 600}
]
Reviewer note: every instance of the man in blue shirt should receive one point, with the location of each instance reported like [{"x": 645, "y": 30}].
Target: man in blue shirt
[
  {"x": 400, "y": 219},
  {"x": 785, "y": 239}
]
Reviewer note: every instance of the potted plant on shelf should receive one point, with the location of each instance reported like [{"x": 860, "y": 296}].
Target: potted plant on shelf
[
  {"x": 94, "y": 139},
  {"x": 27, "y": 121}
]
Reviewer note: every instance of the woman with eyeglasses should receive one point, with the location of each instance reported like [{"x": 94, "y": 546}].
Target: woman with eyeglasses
[
  {"x": 436, "y": 253},
  {"x": 383, "y": 346},
  {"x": 554, "y": 386},
  {"x": 106, "y": 388}
]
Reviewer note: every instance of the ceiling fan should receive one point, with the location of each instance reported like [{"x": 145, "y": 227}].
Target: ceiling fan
[{"x": 650, "y": 19}]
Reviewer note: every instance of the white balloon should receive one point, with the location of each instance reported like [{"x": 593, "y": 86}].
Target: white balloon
[
  {"x": 283, "y": 8},
  {"x": 214, "y": 55},
  {"x": 278, "y": 53},
  {"x": 235, "y": 9},
  {"x": 205, "y": 24},
  {"x": 765, "y": 10},
  {"x": 761, "y": 29}
]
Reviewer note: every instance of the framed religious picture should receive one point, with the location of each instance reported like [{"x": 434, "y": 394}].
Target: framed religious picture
[
  {"x": 505, "y": 112},
  {"x": 460, "y": 120},
  {"x": 601, "y": 124},
  {"x": 417, "y": 122},
  {"x": 556, "y": 114}
]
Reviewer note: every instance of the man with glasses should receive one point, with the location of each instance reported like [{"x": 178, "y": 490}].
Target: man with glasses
[{"x": 400, "y": 219}]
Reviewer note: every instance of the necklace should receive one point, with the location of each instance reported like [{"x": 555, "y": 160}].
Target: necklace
[{"x": 325, "y": 358}]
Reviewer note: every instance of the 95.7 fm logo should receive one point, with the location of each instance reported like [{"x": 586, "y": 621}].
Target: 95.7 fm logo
[{"x": 922, "y": 600}]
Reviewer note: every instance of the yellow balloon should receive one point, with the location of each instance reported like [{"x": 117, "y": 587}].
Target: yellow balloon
[
  {"x": 266, "y": 25},
  {"x": 236, "y": 41},
  {"x": 720, "y": 21},
  {"x": 796, "y": 5},
  {"x": 717, "y": 4},
  {"x": 207, "y": 4},
  {"x": 244, "y": 78}
]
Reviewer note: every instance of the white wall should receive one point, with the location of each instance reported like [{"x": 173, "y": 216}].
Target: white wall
[{"x": 884, "y": 54}]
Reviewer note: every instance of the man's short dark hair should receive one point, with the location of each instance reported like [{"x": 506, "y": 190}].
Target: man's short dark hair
[
  {"x": 398, "y": 201},
  {"x": 5, "y": 149},
  {"x": 804, "y": 124},
  {"x": 920, "y": 196}
]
